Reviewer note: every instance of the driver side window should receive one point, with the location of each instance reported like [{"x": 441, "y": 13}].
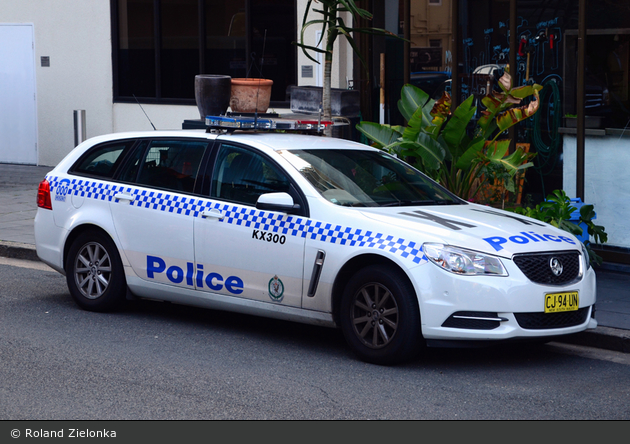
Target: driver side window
[{"x": 241, "y": 176}]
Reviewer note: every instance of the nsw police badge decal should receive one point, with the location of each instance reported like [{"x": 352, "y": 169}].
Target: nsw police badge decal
[{"x": 276, "y": 289}]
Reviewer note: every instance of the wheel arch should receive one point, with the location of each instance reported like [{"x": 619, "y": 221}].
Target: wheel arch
[
  {"x": 77, "y": 231},
  {"x": 350, "y": 267}
]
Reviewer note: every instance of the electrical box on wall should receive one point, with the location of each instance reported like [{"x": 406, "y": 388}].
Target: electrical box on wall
[{"x": 307, "y": 71}]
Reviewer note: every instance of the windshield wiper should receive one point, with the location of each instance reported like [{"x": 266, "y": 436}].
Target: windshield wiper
[
  {"x": 410, "y": 203},
  {"x": 447, "y": 202}
]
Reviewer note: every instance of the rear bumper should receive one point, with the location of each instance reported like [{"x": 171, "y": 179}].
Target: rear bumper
[{"x": 49, "y": 240}]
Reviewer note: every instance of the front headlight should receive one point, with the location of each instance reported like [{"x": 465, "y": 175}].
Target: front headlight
[{"x": 464, "y": 262}]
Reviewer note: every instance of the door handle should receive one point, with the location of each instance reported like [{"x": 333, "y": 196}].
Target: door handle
[
  {"x": 124, "y": 196},
  {"x": 212, "y": 214}
]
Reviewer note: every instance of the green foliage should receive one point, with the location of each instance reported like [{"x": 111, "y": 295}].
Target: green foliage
[
  {"x": 332, "y": 26},
  {"x": 557, "y": 210},
  {"x": 437, "y": 141}
]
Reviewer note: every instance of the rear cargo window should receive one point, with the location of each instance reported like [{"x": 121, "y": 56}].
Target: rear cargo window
[{"x": 102, "y": 160}]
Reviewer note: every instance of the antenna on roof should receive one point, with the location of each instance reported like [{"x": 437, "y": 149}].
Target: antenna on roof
[
  {"x": 262, "y": 65},
  {"x": 134, "y": 96}
]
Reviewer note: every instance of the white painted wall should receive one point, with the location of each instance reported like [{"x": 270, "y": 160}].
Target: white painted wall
[
  {"x": 129, "y": 116},
  {"x": 606, "y": 182},
  {"x": 76, "y": 35},
  {"x": 342, "y": 53}
]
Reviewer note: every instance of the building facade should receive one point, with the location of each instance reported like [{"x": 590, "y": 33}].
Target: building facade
[
  {"x": 106, "y": 56},
  {"x": 120, "y": 59}
]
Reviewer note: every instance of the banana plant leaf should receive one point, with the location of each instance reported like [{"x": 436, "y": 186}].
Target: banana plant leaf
[
  {"x": 517, "y": 161},
  {"x": 382, "y": 135},
  {"x": 428, "y": 149},
  {"x": 499, "y": 113},
  {"x": 496, "y": 150},
  {"x": 512, "y": 116},
  {"x": 474, "y": 151},
  {"x": 413, "y": 99},
  {"x": 441, "y": 111},
  {"x": 455, "y": 129},
  {"x": 415, "y": 125}
]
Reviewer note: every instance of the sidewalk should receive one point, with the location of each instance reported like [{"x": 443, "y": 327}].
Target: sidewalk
[{"x": 18, "y": 194}]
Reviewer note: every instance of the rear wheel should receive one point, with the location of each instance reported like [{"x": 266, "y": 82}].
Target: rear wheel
[
  {"x": 380, "y": 318},
  {"x": 94, "y": 272}
]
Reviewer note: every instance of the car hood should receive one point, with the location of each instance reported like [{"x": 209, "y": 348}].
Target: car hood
[{"x": 476, "y": 227}]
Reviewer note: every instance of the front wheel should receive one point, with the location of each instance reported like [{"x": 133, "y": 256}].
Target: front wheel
[
  {"x": 380, "y": 318},
  {"x": 94, "y": 272}
]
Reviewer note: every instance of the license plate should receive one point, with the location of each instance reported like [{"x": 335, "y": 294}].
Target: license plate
[{"x": 555, "y": 302}]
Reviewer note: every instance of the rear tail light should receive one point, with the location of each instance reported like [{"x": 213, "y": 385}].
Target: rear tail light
[{"x": 43, "y": 195}]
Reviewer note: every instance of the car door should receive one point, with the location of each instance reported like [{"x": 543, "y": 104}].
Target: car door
[
  {"x": 153, "y": 210},
  {"x": 240, "y": 250}
]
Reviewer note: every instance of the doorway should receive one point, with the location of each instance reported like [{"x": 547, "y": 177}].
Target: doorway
[{"x": 18, "y": 112}]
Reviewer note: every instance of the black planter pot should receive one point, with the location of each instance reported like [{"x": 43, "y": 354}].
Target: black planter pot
[{"x": 212, "y": 94}]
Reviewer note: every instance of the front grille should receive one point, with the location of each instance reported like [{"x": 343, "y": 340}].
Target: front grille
[
  {"x": 537, "y": 269},
  {"x": 469, "y": 320},
  {"x": 542, "y": 321}
]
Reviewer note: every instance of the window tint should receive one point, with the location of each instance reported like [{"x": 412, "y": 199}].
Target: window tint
[
  {"x": 242, "y": 176},
  {"x": 169, "y": 164},
  {"x": 102, "y": 160},
  {"x": 130, "y": 169}
]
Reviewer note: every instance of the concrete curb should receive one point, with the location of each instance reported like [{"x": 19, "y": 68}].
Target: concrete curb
[
  {"x": 17, "y": 250},
  {"x": 613, "y": 339}
]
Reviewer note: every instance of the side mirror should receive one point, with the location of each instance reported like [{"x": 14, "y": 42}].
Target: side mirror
[{"x": 282, "y": 202}]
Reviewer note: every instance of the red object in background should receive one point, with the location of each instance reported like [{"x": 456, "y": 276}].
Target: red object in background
[{"x": 521, "y": 45}]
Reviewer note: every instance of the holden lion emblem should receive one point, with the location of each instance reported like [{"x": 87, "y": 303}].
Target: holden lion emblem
[
  {"x": 276, "y": 289},
  {"x": 556, "y": 266}
]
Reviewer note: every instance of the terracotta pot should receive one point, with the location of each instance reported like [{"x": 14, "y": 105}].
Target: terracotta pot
[
  {"x": 250, "y": 95},
  {"x": 212, "y": 94}
]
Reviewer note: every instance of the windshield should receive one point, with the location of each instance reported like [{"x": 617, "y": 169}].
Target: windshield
[{"x": 363, "y": 178}]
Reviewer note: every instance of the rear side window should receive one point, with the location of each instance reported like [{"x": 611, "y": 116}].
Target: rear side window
[
  {"x": 170, "y": 164},
  {"x": 102, "y": 160}
]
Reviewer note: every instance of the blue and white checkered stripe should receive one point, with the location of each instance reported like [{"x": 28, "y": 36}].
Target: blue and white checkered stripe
[{"x": 251, "y": 218}]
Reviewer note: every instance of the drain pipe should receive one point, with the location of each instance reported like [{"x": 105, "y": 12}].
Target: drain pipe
[{"x": 79, "y": 126}]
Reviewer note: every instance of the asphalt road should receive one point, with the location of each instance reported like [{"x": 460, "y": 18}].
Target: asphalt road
[{"x": 164, "y": 361}]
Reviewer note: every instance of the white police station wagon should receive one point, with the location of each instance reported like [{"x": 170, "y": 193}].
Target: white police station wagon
[{"x": 310, "y": 229}]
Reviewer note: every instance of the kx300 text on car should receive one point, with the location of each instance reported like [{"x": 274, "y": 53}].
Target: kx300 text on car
[{"x": 305, "y": 228}]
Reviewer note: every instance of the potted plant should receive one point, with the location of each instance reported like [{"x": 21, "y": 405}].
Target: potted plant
[
  {"x": 212, "y": 94},
  {"x": 250, "y": 95}
]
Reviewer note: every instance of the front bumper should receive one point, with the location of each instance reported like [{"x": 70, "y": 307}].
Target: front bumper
[{"x": 492, "y": 308}]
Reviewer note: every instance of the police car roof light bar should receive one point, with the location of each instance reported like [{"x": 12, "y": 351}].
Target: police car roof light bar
[{"x": 232, "y": 123}]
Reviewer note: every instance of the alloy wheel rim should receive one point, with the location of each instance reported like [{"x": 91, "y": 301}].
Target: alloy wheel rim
[
  {"x": 92, "y": 271},
  {"x": 374, "y": 315}
]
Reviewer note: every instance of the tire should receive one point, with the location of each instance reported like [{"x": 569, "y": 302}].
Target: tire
[
  {"x": 379, "y": 316},
  {"x": 94, "y": 273}
]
